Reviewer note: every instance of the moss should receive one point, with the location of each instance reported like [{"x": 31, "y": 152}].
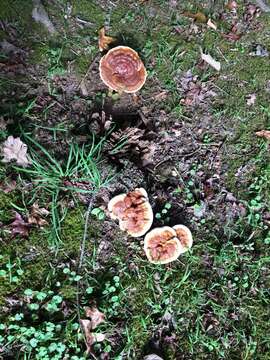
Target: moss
[
  {"x": 69, "y": 292},
  {"x": 34, "y": 270},
  {"x": 89, "y": 11},
  {"x": 6, "y": 211},
  {"x": 17, "y": 10}
]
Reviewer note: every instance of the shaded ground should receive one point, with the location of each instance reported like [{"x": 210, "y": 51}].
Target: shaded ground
[{"x": 189, "y": 140}]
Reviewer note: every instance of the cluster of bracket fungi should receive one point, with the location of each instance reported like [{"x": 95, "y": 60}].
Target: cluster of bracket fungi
[
  {"x": 122, "y": 70},
  {"x": 135, "y": 215}
]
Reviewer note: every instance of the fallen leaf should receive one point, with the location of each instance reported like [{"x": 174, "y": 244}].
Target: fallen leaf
[
  {"x": 251, "y": 99},
  {"x": 19, "y": 226},
  {"x": 37, "y": 214},
  {"x": 211, "y": 24},
  {"x": 104, "y": 41},
  {"x": 96, "y": 316},
  {"x": 198, "y": 16},
  {"x": 15, "y": 149},
  {"x": 90, "y": 338},
  {"x": 264, "y": 133},
  {"x": 211, "y": 61}
]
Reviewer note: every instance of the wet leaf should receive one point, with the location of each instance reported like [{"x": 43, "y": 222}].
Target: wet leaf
[
  {"x": 264, "y": 133},
  {"x": 104, "y": 41},
  {"x": 19, "y": 226},
  {"x": 15, "y": 149},
  {"x": 96, "y": 316},
  {"x": 211, "y": 61}
]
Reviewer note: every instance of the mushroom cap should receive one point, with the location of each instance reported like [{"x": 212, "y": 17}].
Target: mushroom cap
[
  {"x": 133, "y": 211},
  {"x": 121, "y": 69},
  {"x": 184, "y": 235},
  {"x": 162, "y": 246},
  {"x": 114, "y": 206}
]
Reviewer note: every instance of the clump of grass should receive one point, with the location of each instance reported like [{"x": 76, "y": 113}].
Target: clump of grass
[{"x": 79, "y": 173}]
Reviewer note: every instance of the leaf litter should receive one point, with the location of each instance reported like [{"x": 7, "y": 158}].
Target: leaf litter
[
  {"x": 15, "y": 149},
  {"x": 87, "y": 325}
]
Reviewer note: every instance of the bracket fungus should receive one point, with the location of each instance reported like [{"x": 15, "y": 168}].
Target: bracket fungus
[
  {"x": 164, "y": 245},
  {"x": 184, "y": 236},
  {"x": 133, "y": 211},
  {"x": 122, "y": 70}
]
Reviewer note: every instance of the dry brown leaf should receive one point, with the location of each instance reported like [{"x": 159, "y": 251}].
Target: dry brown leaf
[
  {"x": 96, "y": 316},
  {"x": 104, "y": 41},
  {"x": 37, "y": 214},
  {"x": 211, "y": 61},
  {"x": 198, "y": 16},
  {"x": 90, "y": 338},
  {"x": 211, "y": 24},
  {"x": 264, "y": 133},
  {"x": 19, "y": 226},
  {"x": 15, "y": 149}
]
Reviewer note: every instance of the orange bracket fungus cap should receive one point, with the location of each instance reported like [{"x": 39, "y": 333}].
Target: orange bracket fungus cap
[
  {"x": 133, "y": 211},
  {"x": 184, "y": 235},
  {"x": 122, "y": 70},
  {"x": 162, "y": 246}
]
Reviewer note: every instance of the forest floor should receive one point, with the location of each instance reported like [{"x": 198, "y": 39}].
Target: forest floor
[{"x": 189, "y": 140}]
